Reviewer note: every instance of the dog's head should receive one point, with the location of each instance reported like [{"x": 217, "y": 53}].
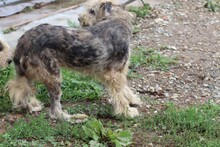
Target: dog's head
[
  {"x": 102, "y": 10},
  {"x": 5, "y": 53}
]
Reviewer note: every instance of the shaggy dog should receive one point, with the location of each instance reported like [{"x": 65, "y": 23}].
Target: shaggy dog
[
  {"x": 92, "y": 14},
  {"x": 101, "y": 51},
  {"x": 5, "y": 53}
]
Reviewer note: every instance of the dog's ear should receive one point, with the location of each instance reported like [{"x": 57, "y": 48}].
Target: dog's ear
[{"x": 106, "y": 8}]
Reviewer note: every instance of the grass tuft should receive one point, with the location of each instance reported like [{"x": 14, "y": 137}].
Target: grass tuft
[
  {"x": 150, "y": 57},
  {"x": 212, "y": 5},
  {"x": 196, "y": 125},
  {"x": 141, "y": 11}
]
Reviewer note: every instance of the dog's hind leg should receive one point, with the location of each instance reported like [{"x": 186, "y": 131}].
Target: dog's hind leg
[
  {"x": 21, "y": 92},
  {"x": 115, "y": 82}
]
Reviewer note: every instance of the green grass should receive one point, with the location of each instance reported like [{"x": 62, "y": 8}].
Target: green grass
[
  {"x": 212, "y": 5},
  {"x": 194, "y": 126},
  {"x": 93, "y": 109},
  {"x": 5, "y": 75},
  {"x": 141, "y": 11},
  {"x": 150, "y": 57},
  {"x": 38, "y": 131},
  {"x": 9, "y": 30}
]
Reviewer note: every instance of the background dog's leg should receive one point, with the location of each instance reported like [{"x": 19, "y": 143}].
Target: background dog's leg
[{"x": 116, "y": 85}]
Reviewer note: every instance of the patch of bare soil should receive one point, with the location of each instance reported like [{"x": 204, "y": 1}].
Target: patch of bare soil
[{"x": 190, "y": 32}]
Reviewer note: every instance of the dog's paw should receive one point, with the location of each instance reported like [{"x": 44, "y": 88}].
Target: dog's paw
[
  {"x": 131, "y": 112},
  {"x": 34, "y": 105}
]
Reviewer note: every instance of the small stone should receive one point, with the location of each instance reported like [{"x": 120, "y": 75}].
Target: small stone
[
  {"x": 62, "y": 143},
  {"x": 188, "y": 65},
  {"x": 158, "y": 20},
  {"x": 175, "y": 96},
  {"x": 150, "y": 145},
  {"x": 217, "y": 96},
  {"x": 166, "y": 94},
  {"x": 151, "y": 89},
  {"x": 136, "y": 125},
  {"x": 151, "y": 75},
  {"x": 148, "y": 106},
  {"x": 205, "y": 85},
  {"x": 171, "y": 47},
  {"x": 199, "y": 43},
  {"x": 158, "y": 88}
]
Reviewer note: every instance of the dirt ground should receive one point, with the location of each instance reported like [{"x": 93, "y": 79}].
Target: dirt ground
[{"x": 187, "y": 30}]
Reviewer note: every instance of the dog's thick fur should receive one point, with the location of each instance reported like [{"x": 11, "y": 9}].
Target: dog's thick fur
[
  {"x": 101, "y": 51},
  {"x": 5, "y": 53},
  {"x": 93, "y": 14}
]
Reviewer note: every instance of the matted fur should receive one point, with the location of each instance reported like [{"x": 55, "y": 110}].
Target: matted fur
[
  {"x": 101, "y": 50},
  {"x": 5, "y": 52},
  {"x": 22, "y": 94},
  {"x": 93, "y": 12}
]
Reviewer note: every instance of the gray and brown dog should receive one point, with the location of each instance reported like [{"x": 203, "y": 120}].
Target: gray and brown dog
[{"x": 101, "y": 50}]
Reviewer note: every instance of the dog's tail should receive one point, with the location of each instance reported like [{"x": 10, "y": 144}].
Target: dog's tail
[{"x": 21, "y": 92}]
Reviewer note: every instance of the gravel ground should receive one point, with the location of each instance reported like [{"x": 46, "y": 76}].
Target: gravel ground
[{"x": 191, "y": 33}]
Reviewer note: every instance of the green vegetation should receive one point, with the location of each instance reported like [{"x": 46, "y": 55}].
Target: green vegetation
[
  {"x": 5, "y": 75},
  {"x": 37, "y": 131},
  {"x": 100, "y": 136},
  {"x": 194, "y": 126},
  {"x": 150, "y": 57},
  {"x": 141, "y": 11},
  {"x": 212, "y": 5},
  {"x": 72, "y": 24},
  {"x": 28, "y": 9},
  {"x": 9, "y": 30}
]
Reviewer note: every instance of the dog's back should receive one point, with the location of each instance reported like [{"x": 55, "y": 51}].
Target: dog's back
[{"x": 97, "y": 47}]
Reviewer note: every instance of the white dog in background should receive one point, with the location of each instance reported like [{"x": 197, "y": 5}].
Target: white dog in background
[{"x": 5, "y": 52}]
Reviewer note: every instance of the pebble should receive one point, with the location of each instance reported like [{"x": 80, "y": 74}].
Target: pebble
[
  {"x": 158, "y": 20},
  {"x": 217, "y": 96},
  {"x": 151, "y": 89},
  {"x": 175, "y": 96},
  {"x": 158, "y": 88}
]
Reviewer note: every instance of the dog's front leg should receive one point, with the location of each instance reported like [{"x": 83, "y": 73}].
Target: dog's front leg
[{"x": 56, "y": 111}]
